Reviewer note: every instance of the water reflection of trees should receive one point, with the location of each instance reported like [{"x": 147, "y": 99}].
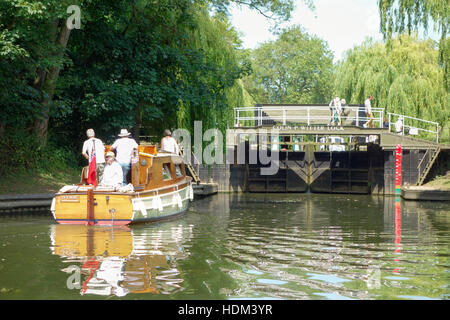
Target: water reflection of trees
[
  {"x": 341, "y": 243},
  {"x": 121, "y": 260}
]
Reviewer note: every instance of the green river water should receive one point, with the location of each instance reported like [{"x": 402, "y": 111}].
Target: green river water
[{"x": 230, "y": 246}]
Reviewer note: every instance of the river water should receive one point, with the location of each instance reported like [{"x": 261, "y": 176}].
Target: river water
[{"x": 230, "y": 246}]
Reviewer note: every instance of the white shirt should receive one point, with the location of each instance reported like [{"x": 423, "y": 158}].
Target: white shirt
[
  {"x": 124, "y": 148},
  {"x": 398, "y": 126},
  {"x": 99, "y": 149},
  {"x": 368, "y": 106},
  {"x": 170, "y": 145},
  {"x": 113, "y": 174},
  {"x": 338, "y": 107}
]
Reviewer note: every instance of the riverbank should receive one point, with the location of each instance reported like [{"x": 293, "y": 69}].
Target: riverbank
[
  {"x": 37, "y": 181},
  {"x": 435, "y": 190},
  {"x": 440, "y": 182}
]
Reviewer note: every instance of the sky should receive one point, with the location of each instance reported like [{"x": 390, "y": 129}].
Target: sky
[{"x": 342, "y": 23}]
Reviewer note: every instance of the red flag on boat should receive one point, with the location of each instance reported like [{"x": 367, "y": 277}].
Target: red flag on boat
[{"x": 92, "y": 178}]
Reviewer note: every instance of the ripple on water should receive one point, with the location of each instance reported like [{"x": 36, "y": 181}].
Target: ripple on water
[
  {"x": 354, "y": 252},
  {"x": 232, "y": 247}
]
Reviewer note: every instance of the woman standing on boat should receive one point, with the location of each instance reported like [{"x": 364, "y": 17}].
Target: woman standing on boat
[
  {"x": 125, "y": 148},
  {"x": 168, "y": 143}
]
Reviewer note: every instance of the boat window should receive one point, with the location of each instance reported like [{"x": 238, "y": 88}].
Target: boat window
[
  {"x": 166, "y": 171},
  {"x": 178, "y": 170}
]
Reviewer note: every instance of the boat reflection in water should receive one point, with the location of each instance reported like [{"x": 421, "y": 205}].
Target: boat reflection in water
[{"x": 120, "y": 260}]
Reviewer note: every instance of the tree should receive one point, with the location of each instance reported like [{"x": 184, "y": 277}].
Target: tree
[
  {"x": 160, "y": 63},
  {"x": 400, "y": 16},
  {"x": 220, "y": 46},
  {"x": 295, "y": 68},
  {"x": 36, "y": 35},
  {"x": 404, "y": 78},
  {"x": 278, "y": 10},
  {"x": 135, "y": 73}
]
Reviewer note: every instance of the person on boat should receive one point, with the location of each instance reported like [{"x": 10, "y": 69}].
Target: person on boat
[
  {"x": 168, "y": 143},
  {"x": 126, "y": 148},
  {"x": 94, "y": 148},
  {"x": 113, "y": 174}
]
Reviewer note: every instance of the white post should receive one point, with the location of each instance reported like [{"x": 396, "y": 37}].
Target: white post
[
  {"x": 389, "y": 114},
  {"x": 307, "y": 109},
  {"x": 260, "y": 116},
  {"x": 403, "y": 125},
  {"x": 357, "y": 117},
  {"x": 284, "y": 117},
  {"x": 437, "y": 132},
  {"x": 381, "y": 118}
]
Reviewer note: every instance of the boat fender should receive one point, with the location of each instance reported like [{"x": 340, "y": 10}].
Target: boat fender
[
  {"x": 191, "y": 192},
  {"x": 176, "y": 200},
  {"x": 52, "y": 208},
  {"x": 140, "y": 206},
  {"x": 157, "y": 203}
]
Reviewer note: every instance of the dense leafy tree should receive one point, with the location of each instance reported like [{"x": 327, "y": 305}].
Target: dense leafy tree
[
  {"x": 219, "y": 44},
  {"x": 295, "y": 68},
  {"x": 405, "y": 15},
  {"x": 279, "y": 10},
  {"x": 33, "y": 37},
  {"x": 134, "y": 64},
  {"x": 400, "y": 16}
]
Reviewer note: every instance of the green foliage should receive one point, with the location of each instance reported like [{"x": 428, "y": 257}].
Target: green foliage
[
  {"x": 295, "y": 68},
  {"x": 406, "y": 15},
  {"x": 400, "y": 16},
  {"x": 142, "y": 65},
  {"x": 279, "y": 10},
  {"x": 22, "y": 151},
  {"x": 216, "y": 83},
  {"x": 404, "y": 79}
]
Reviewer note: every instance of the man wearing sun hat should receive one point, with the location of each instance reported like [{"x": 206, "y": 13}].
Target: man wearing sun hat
[
  {"x": 125, "y": 148},
  {"x": 113, "y": 174}
]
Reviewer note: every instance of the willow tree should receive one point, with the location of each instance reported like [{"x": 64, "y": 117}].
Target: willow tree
[
  {"x": 404, "y": 79},
  {"x": 216, "y": 84},
  {"x": 406, "y": 16}
]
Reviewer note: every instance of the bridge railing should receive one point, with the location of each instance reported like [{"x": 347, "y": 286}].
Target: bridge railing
[
  {"x": 413, "y": 126},
  {"x": 304, "y": 115}
]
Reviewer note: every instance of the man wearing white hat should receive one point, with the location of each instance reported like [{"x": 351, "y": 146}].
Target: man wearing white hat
[
  {"x": 113, "y": 175},
  {"x": 126, "y": 148}
]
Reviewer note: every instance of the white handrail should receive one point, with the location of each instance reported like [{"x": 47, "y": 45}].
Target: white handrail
[
  {"x": 322, "y": 115},
  {"x": 311, "y": 114},
  {"x": 421, "y": 121}
]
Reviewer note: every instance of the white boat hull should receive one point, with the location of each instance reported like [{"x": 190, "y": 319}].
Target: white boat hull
[{"x": 161, "y": 206}]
